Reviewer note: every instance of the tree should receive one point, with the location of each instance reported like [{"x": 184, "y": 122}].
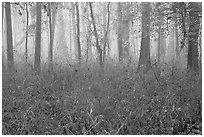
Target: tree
[
  {"x": 78, "y": 33},
  {"x": 27, "y": 22},
  {"x": 96, "y": 37},
  {"x": 74, "y": 26},
  {"x": 176, "y": 36},
  {"x": 120, "y": 42},
  {"x": 10, "y": 58},
  {"x": 106, "y": 22},
  {"x": 52, "y": 18},
  {"x": 38, "y": 38},
  {"x": 193, "y": 36},
  {"x": 144, "y": 58},
  {"x": 3, "y": 61}
]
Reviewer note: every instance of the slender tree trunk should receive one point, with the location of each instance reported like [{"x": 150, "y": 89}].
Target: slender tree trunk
[
  {"x": 50, "y": 55},
  {"x": 193, "y": 37},
  {"x": 183, "y": 21},
  {"x": 52, "y": 18},
  {"x": 96, "y": 37},
  {"x": 70, "y": 34},
  {"x": 108, "y": 25},
  {"x": 88, "y": 41},
  {"x": 10, "y": 58},
  {"x": 120, "y": 46},
  {"x": 106, "y": 29},
  {"x": 2, "y": 16},
  {"x": 144, "y": 58},
  {"x": 74, "y": 28},
  {"x": 176, "y": 36},
  {"x": 3, "y": 63},
  {"x": 104, "y": 32},
  {"x": 78, "y": 33},
  {"x": 38, "y": 38},
  {"x": 26, "y": 42}
]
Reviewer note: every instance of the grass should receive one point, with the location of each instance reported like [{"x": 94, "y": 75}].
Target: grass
[{"x": 119, "y": 101}]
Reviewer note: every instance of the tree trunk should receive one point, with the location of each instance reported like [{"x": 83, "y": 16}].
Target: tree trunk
[
  {"x": 144, "y": 58},
  {"x": 96, "y": 37},
  {"x": 10, "y": 58},
  {"x": 78, "y": 33},
  {"x": 38, "y": 38},
  {"x": 26, "y": 42},
  {"x": 183, "y": 21},
  {"x": 3, "y": 61},
  {"x": 176, "y": 36},
  {"x": 104, "y": 32},
  {"x": 50, "y": 52},
  {"x": 120, "y": 46},
  {"x": 108, "y": 26},
  {"x": 193, "y": 36},
  {"x": 74, "y": 28},
  {"x": 106, "y": 29},
  {"x": 52, "y": 18},
  {"x": 70, "y": 33}
]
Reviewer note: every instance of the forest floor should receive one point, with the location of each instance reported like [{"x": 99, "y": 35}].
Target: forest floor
[{"x": 84, "y": 101}]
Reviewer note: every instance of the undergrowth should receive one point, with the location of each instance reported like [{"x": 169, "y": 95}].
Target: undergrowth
[{"x": 119, "y": 101}]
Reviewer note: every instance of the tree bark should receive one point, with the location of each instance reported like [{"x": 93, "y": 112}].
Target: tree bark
[
  {"x": 52, "y": 18},
  {"x": 38, "y": 38},
  {"x": 3, "y": 63},
  {"x": 176, "y": 36},
  {"x": 120, "y": 46},
  {"x": 144, "y": 58},
  {"x": 106, "y": 21},
  {"x": 10, "y": 57},
  {"x": 193, "y": 37},
  {"x": 78, "y": 33},
  {"x": 74, "y": 28},
  {"x": 26, "y": 42}
]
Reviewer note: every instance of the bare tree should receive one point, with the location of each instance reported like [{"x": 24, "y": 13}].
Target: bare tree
[
  {"x": 78, "y": 33},
  {"x": 27, "y": 22},
  {"x": 10, "y": 58},
  {"x": 120, "y": 42},
  {"x": 74, "y": 26},
  {"x": 38, "y": 38},
  {"x": 52, "y": 18},
  {"x": 106, "y": 22}
]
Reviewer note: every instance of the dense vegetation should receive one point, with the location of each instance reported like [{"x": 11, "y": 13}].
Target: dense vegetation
[
  {"x": 82, "y": 100},
  {"x": 88, "y": 68}
]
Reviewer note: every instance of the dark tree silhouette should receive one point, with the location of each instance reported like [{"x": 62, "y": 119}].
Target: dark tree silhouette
[
  {"x": 27, "y": 22},
  {"x": 120, "y": 42},
  {"x": 78, "y": 33},
  {"x": 193, "y": 36},
  {"x": 10, "y": 58},
  {"x": 38, "y": 38},
  {"x": 144, "y": 58}
]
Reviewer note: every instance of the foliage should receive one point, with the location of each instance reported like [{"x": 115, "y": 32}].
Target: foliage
[{"x": 119, "y": 101}]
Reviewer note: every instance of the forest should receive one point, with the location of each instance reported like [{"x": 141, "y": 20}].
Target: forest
[{"x": 101, "y": 68}]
